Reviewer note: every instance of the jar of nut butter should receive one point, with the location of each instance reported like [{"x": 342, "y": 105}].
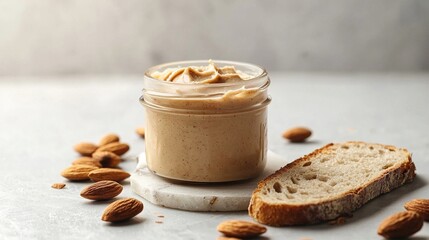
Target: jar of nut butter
[{"x": 206, "y": 121}]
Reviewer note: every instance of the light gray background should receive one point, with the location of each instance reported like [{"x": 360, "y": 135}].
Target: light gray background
[{"x": 116, "y": 37}]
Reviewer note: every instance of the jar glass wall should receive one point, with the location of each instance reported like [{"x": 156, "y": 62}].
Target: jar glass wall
[{"x": 206, "y": 132}]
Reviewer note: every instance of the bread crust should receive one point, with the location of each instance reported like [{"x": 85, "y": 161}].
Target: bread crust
[{"x": 319, "y": 211}]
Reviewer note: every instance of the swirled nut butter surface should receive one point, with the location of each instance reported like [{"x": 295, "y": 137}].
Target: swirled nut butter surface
[
  {"x": 201, "y": 74},
  {"x": 203, "y": 133}
]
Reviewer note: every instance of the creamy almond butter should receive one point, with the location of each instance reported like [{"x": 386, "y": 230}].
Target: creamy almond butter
[
  {"x": 206, "y": 123},
  {"x": 201, "y": 74}
]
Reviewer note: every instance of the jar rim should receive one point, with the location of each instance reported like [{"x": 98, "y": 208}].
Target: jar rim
[
  {"x": 261, "y": 70},
  {"x": 206, "y": 112}
]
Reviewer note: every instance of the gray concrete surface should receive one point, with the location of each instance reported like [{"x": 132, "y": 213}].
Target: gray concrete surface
[{"x": 42, "y": 118}]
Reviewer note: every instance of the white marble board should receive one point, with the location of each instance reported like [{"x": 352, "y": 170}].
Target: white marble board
[{"x": 233, "y": 196}]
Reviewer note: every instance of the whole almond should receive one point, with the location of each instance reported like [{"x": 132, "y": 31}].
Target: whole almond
[
  {"x": 297, "y": 134},
  {"x": 140, "y": 132},
  {"x": 240, "y": 229},
  {"x": 107, "y": 159},
  {"x": 421, "y": 206},
  {"x": 115, "y": 147},
  {"x": 112, "y": 174},
  {"x": 400, "y": 225},
  {"x": 58, "y": 185},
  {"x": 109, "y": 138},
  {"x": 102, "y": 190},
  {"x": 228, "y": 238},
  {"x": 85, "y": 148},
  {"x": 121, "y": 210},
  {"x": 86, "y": 161},
  {"x": 78, "y": 172}
]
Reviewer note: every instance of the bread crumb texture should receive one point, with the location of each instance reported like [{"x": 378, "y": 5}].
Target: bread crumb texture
[{"x": 339, "y": 169}]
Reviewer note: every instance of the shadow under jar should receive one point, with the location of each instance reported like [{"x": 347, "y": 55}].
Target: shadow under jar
[{"x": 199, "y": 132}]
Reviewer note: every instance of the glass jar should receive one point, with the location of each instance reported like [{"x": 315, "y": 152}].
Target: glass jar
[{"x": 206, "y": 132}]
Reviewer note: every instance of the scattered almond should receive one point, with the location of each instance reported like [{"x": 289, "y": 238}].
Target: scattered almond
[
  {"x": 58, "y": 185},
  {"x": 400, "y": 225},
  {"x": 107, "y": 159},
  {"x": 241, "y": 229},
  {"x": 77, "y": 172},
  {"x": 86, "y": 161},
  {"x": 140, "y": 132},
  {"x": 102, "y": 190},
  {"x": 121, "y": 210},
  {"x": 297, "y": 134},
  {"x": 228, "y": 238},
  {"x": 421, "y": 206},
  {"x": 112, "y": 174},
  {"x": 109, "y": 138},
  {"x": 115, "y": 147},
  {"x": 85, "y": 148}
]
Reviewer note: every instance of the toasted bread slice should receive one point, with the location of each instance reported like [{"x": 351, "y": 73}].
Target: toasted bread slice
[{"x": 330, "y": 182}]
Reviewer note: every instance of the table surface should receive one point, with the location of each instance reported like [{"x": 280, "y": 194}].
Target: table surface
[{"x": 42, "y": 118}]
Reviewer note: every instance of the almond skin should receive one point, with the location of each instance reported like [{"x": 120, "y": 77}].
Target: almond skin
[
  {"x": 116, "y": 148},
  {"x": 78, "y": 172},
  {"x": 109, "y": 138},
  {"x": 400, "y": 225},
  {"x": 107, "y": 159},
  {"x": 58, "y": 185},
  {"x": 240, "y": 229},
  {"x": 421, "y": 206},
  {"x": 102, "y": 190},
  {"x": 86, "y": 161},
  {"x": 297, "y": 134},
  {"x": 228, "y": 238},
  {"x": 85, "y": 148},
  {"x": 112, "y": 174},
  {"x": 140, "y": 132},
  {"x": 121, "y": 210}
]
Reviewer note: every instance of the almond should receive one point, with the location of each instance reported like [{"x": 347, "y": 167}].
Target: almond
[
  {"x": 102, "y": 190},
  {"x": 85, "y": 148},
  {"x": 112, "y": 174},
  {"x": 116, "y": 148},
  {"x": 107, "y": 159},
  {"x": 58, "y": 185},
  {"x": 421, "y": 206},
  {"x": 109, "y": 138},
  {"x": 228, "y": 238},
  {"x": 297, "y": 134},
  {"x": 240, "y": 229},
  {"x": 121, "y": 210},
  {"x": 400, "y": 225},
  {"x": 77, "y": 172},
  {"x": 86, "y": 161},
  {"x": 140, "y": 132}
]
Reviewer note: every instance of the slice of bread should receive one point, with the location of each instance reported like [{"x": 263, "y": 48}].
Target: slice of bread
[{"x": 330, "y": 182}]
